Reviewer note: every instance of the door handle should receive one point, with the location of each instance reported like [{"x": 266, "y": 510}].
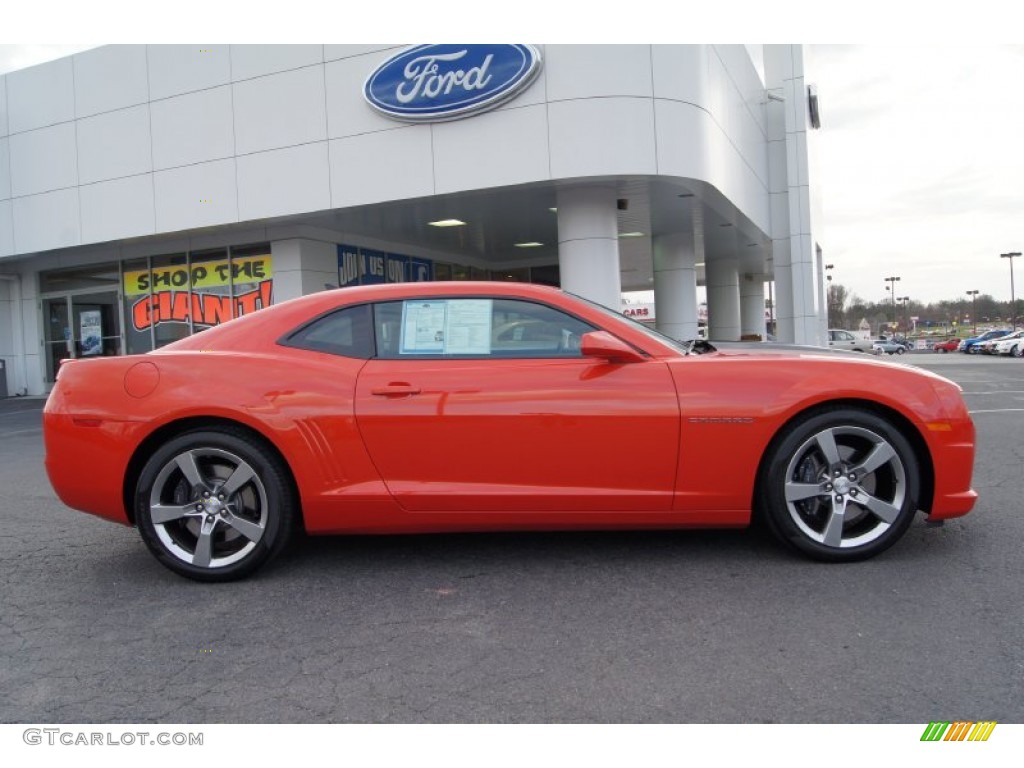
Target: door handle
[{"x": 397, "y": 389}]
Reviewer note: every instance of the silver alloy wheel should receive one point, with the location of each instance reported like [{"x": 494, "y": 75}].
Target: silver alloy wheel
[
  {"x": 1018, "y": 350},
  {"x": 845, "y": 486},
  {"x": 208, "y": 507}
]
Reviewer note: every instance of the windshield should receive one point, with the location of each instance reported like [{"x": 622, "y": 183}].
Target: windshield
[{"x": 682, "y": 347}]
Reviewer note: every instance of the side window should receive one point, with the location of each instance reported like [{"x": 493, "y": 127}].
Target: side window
[
  {"x": 346, "y": 332},
  {"x": 475, "y": 327}
]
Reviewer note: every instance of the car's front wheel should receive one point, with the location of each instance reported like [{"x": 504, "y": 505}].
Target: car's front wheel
[
  {"x": 214, "y": 505},
  {"x": 1018, "y": 350},
  {"x": 840, "y": 485}
]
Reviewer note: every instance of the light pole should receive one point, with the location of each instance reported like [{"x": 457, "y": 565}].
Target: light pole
[
  {"x": 903, "y": 300},
  {"x": 828, "y": 295},
  {"x": 892, "y": 279},
  {"x": 974, "y": 312},
  {"x": 1013, "y": 299}
]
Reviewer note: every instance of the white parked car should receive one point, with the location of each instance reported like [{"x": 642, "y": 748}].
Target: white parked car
[
  {"x": 840, "y": 339},
  {"x": 1010, "y": 345}
]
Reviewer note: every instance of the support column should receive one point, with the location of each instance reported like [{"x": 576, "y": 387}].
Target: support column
[
  {"x": 820, "y": 282},
  {"x": 303, "y": 266},
  {"x": 675, "y": 286},
  {"x": 588, "y": 244},
  {"x": 752, "y": 305},
  {"x": 723, "y": 289}
]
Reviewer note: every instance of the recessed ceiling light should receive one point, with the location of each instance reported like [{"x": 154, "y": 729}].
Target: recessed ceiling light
[
  {"x": 631, "y": 234},
  {"x": 528, "y": 245},
  {"x": 447, "y": 223},
  {"x": 553, "y": 210}
]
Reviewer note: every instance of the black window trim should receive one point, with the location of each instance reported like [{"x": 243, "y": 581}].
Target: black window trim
[{"x": 287, "y": 340}]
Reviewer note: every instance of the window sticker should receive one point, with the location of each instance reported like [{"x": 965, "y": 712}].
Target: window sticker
[
  {"x": 468, "y": 331},
  {"x": 423, "y": 327},
  {"x": 446, "y": 327}
]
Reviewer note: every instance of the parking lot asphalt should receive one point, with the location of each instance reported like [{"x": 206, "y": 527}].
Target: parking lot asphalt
[{"x": 676, "y": 627}]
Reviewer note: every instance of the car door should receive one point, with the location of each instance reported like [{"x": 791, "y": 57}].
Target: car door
[{"x": 488, "y": 405}]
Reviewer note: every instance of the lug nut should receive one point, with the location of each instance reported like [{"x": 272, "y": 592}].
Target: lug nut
[
  {"x": 838, "y": 473},
  {"x": 839, "y": 499},
  {"x": 853, "y": 491},
  {"x": 853, "y": 476},
  {"x": 828, "y": 487}
]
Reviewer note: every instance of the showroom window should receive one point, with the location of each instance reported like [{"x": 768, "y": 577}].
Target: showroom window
[
  {"x": 136, "y": 305},
  {"x": 172, "y": 296}
]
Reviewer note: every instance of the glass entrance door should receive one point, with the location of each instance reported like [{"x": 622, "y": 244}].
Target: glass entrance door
[
  {"x": 56, "y": 314},
  {"x": 82, "y": 324}
]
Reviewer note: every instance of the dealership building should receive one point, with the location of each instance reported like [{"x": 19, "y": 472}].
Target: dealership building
[{"x": 150, "y": 191}]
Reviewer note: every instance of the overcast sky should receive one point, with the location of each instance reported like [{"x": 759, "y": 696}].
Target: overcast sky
[
  {"x": 921, "y": 168},
  {"x": 919, "y": 162}
]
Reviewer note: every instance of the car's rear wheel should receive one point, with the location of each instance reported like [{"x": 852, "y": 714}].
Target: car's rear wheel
[
  {"x": 214, "y": 505},
  {"x": 841, "y": 485}
]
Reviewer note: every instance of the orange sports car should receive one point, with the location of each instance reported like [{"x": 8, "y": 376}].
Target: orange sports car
[{"x": 433, "y": 407}]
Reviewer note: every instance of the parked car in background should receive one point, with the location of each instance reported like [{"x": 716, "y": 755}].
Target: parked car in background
[
  {"x": 888, "y": 346},
  {"x": 1012, "y": 344},
  {"x": 949, "y": 345},
  {"x": 970, "y": 346},
  {"x": 840, "y": 339}
]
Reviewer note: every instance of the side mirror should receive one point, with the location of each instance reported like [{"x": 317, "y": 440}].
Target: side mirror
[{"x": 605, "y": 346}]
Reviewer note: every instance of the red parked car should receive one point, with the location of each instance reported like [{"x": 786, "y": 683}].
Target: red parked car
[
  {"x": 949, "y": 345},
  {"x": 419, "y": 407}
]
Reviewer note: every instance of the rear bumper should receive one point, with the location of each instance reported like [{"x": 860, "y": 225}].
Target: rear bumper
[{"x": 86, "y": 461}]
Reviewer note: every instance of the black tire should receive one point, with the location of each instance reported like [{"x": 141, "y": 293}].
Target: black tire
[
  {"x": 1018, "y": 350},
  {"x": 215, "y": 504},
  {"x": 827, "y": 517},
  {"x": 900, "y": 350}
]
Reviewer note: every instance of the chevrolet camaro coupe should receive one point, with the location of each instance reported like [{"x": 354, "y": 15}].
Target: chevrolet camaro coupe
[{"x": 430, "y": 407}]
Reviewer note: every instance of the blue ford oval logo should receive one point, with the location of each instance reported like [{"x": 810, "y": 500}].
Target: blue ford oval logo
[{"x": 445, "y": 82}]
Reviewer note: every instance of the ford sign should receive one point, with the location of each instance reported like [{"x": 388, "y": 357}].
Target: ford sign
[{"x": 446, "y": 82}]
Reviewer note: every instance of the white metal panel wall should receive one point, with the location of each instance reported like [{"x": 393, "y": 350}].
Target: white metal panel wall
[
  {"x": 114, "y": 145},
  {"x": 5, "y": 169},
  {"x": 110, "y": 78},
  {"x": 3, "y": 105},
  {"x": 6, "y": 215},
  {"x": 244, "y": 132},
  {"x": 40, "y": 96}
]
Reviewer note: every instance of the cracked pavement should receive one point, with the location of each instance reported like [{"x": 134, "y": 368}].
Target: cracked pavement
[{"x": 702, "y": 626}]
